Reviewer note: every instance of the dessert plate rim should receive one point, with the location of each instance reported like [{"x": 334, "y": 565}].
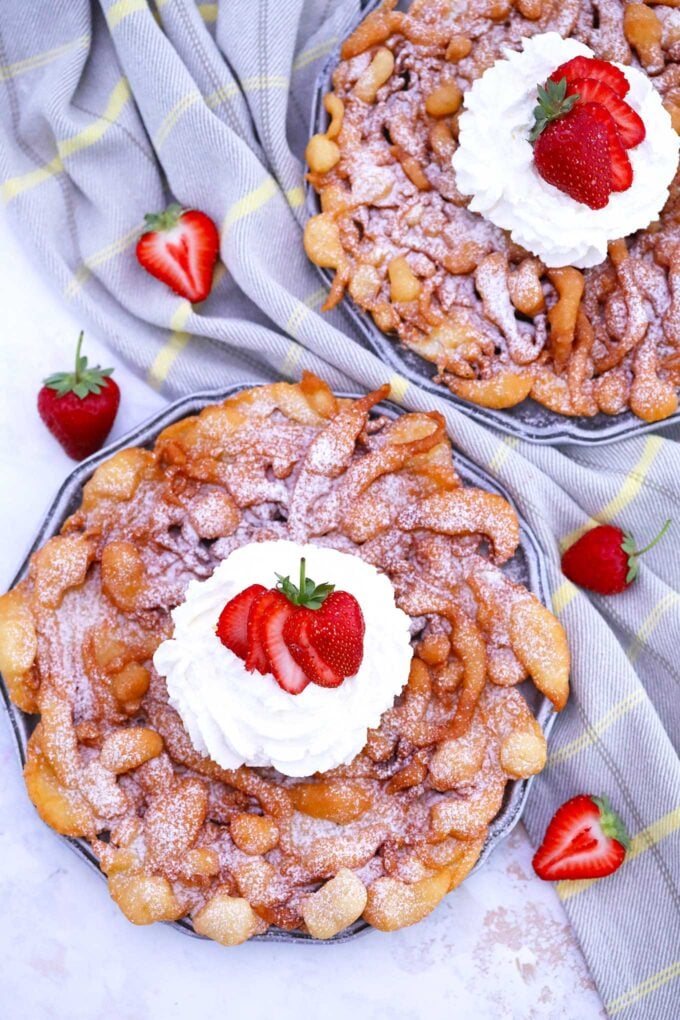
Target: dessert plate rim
[
  {"x": 68, "y": 498},
  {"x": 599, "y": 430}
]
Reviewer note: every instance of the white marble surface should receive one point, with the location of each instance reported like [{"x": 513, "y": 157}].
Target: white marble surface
[{"x": 499, "y": 947}]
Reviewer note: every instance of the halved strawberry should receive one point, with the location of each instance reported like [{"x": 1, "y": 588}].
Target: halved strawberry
[
  {"x": 287, "y": 672},
  {"x": 296, "y": 635},
  {"x": 628, "y": 123},
  {"x": 336, "y": 632},
  {"x": 256, "y": 657},
  {"x": 232, "y": 626},
  {"x": 180, "y": 247},
  {"x": 585, "y": 839},
  {"x": 590, "y": 67},
  {"x": 622, "y": 171}
]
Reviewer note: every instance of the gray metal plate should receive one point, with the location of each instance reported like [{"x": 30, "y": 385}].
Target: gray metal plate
[
  {"x": 527, "y": 567},
  {"x": 528, "y": 420}
]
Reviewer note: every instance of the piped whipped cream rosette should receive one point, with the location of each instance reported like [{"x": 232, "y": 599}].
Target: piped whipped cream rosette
[
  {"x": 240, "y": 717},
  {"x": 495, "y": 162}
]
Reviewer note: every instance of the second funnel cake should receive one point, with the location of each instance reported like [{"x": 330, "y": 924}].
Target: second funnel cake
[{"x": 454, "y": 225}]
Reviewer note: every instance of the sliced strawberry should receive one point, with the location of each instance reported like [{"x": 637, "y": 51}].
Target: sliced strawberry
[
  {"x": 180, "y": 248},
  {"x": 336, "y": 632},
  {"x": 296, "y": 636},
  {"x": 572, "y": 154},
  {"x": 287, "y": 672},
  {"x": 256, "y": 657},
  {"x": 232, "y": 626},
  {"x": 590, "y": 67},
  {"x": 628, "y": 123},
  {"x": 621, "y": 169},
  {"x": 585, "y": 839}
]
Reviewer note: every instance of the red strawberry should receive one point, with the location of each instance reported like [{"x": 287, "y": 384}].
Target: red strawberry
[
  {"x": 337, "y": 633},
  {"x": 572, "y": 154},
  {"x": 605, "y": 559},
  {"x": 232, "y": 626},
  {"x": 621, "y": 170},
  {"x": 628, "y": 123},
  {"x": 585, "y": 839},
  {"x": 282, "y": 663},
  {"x": 589, "y": 67},
  {"x": 298, "y": 633},
  {"x": 256, "y": 657},
  {"x": 326, "y": 635},
  {"x": 180, "y": 248},
  {"x": 80, "y": 407},
  {"x": 297, "y": 637}
]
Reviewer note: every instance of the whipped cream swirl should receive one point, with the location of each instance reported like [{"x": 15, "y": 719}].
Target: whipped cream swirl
[
  {"x": 494, "y": 162},
  {"x": 239, "y": 718}
]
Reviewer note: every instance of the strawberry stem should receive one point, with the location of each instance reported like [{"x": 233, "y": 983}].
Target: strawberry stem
[
  {"x": 640, "y": 552},
  {"x": 165, "y": 220},
  {"x": 83, "y": 381},
  {"x": 78, "y": 347},
  {"x": 308, "y": 594}
]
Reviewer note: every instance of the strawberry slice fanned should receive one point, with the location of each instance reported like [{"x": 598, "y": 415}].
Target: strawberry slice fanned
[
  {"x": 621, "y": 168},
  {"x": 591, "y": 67},
  {"x": 256, "y": 656},
  {"x": 180, "y": 248},
  {"x": 232, "y": 626},
  {"x": 337, "y": 633},
  {"x": 297, "y": 637},
  {"x": 629, "y": 124},
  {"x": 299, "y": 633},
  {"x": 287, "y": 673},
  {"x": 586, "y": 839}
]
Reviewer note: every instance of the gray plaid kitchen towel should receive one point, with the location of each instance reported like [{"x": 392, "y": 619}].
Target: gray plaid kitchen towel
[{"x": 108, "y": 110}]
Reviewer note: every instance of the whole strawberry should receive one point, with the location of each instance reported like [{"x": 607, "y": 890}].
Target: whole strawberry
[
  {"x": 586, "y": 839},
  {"x": 180, "y": 248},
  {"x": 605, "y": 559},
  {"x": 80, "y": 407}
]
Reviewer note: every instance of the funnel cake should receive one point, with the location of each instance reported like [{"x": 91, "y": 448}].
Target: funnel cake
[
  {"x": 384, "y": 837},
  {"x": 444, "y": 281}
]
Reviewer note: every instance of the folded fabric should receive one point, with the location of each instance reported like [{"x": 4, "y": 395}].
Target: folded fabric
[{"x": 110, "y": 112}]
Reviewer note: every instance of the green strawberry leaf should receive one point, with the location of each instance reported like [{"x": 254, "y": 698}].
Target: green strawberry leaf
[
  {"x": 164, "y": 220},
  {"x": 611, "y": 823},
  {"x": 628, "y": 544},
  {"x": 306, "y": 593},
  {"x": 633, "y": 569},
  {"x": 634, "y": 554},
  {"x": 83, "y": 381},
  {"x": 553, "y": 104}
]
